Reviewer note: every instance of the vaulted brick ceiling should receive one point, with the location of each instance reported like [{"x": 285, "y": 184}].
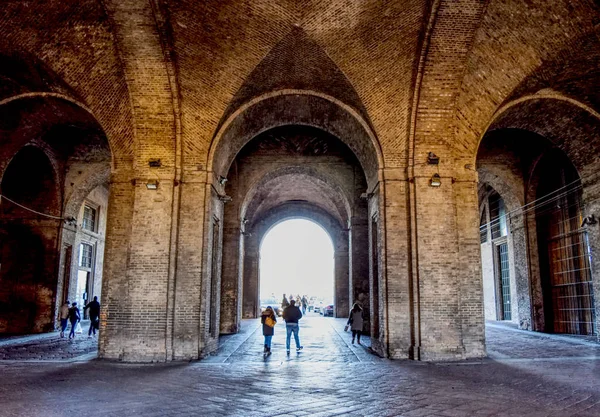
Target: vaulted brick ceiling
[{"x": 430, "y": 72}]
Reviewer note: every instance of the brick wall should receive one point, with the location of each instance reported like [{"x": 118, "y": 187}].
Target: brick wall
[{"x": 191, "y": 83}]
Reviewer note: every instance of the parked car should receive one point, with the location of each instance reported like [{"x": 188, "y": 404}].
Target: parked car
[
  {"x": 317, "y": 309},
  {"x": 328, "y": 310}
]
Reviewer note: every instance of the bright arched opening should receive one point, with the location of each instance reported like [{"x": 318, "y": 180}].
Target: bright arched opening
[{"x": 296, "y": 258}]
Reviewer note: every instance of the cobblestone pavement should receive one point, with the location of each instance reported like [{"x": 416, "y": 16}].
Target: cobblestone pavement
[
  {"x": 314, "y": 330},
  {"x": 49, "y": 347},
  {"x": 527, "y": 375}
]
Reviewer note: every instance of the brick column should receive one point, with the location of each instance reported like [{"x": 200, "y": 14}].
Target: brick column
[
  {"x": 468, "y": 271},
  {"x": 395, "y": 291},
  {"x": 230, "y": 288},
  {"x": 136, "y": 275},
  {"x": 359, "y": 262},
  {"x": 250, "y": 295},
  {"x": 591, "y": 206},
  {"x": 517, "y": 242},
  {"x": 341, "y": 278},
  {"x": 439, "y": 317},
  {"x": 188, "y": 276},
  {"x": 114, "y": 324}
]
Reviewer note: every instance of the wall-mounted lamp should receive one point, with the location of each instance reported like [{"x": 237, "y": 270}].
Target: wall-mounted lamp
[
  {"x": 154, "y": 163},
  {"x": 433, "y": 159},
  {"x": 152, "y": 185},
  {"x": 435, "y": 180},
  {"x": 589, "y": 220},
  {"x": 222, "y": 180},
  {"x": 366, "y": 196},
  {"x": 71, "y": 221}
]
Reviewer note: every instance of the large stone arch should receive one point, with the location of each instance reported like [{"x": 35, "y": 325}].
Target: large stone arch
[
  {"x": 284, "y": 165},
  {"x": 337, "y": 231},
  {"x": 30, "y": 222},
  {"x": 31, "y": 116},
  {"x": 541, "y": 123},
  {"x": 310, "y": 108},
  {"x": 333, "y": 195}
]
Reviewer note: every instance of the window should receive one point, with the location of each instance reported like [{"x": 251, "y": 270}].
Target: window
[
  {"x": 483, "y": 228},
  {"x": 498, "y": 216},
  {"x": 89, "y": 218},
  {"x": 85, "y": 255},
  {"x": 504, "y": 273}
]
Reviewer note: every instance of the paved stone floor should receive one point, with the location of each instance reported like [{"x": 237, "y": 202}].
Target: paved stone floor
[{"x": 527, "y": 374}]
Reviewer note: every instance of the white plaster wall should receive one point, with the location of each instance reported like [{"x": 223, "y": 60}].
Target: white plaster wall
[{"x": 489, "y": 290}]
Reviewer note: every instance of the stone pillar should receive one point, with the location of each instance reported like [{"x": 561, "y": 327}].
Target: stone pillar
[
  {"x": 359, "y": 249},
  {"x": 470, "y": 300},
  {"x": 134, "y": 313},
  {"x": 250, "y": 296},
  {"x": 341, "y": 278},
  {"x": 591, "y": 206},
  {"x": 394, "y": 290},
  {"x": 230, "y": 288},
  {"x": 114, "y": 325},
  {"x": 188, "y": 276},
  {"x": 517, "y": 242},
  {"x": 440, "y": 322}
]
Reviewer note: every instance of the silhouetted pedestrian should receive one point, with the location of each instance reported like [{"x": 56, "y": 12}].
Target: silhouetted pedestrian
[
  {"x": 292, "y": 315},
  {"x": 356, "y": 321},
  {"x": 74, "y": 318},
  {"x": 304, "y": 305},
  {"x": 284, "y": 303},
  {"x": 268, "y": 320},
  {"x": 94, "y": 307},
  {"x": 63, "y": 315}
]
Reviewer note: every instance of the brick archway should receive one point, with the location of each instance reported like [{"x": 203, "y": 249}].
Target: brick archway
[{"x": 338, "y": 233}]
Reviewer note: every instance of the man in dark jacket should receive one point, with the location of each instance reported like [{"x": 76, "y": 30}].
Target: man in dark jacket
[
  {"x": 292, "y": 315},
  {"x": 94, "y": 307}
]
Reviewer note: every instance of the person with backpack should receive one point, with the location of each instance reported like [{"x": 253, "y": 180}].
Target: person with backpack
[
  {"x": 268, "y": 320},
  {"x": 74, "y": 318},
  {"x": 94, "y": 307}
]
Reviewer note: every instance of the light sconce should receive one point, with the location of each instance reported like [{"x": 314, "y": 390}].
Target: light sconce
[
  {"x": 589, "y": 220},
  {"x": 433, "y": 159},
  {"x": 366, "y": 196},
  {"x": 71, "y": 221},
  {"x": 152, "y": 185},
  {"x": 435, "y": 180},
  {"x": 154, "y": 163},
  {"x": 222, "y": 180}
]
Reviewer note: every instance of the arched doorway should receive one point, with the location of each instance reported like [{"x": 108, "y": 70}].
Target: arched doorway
[
  {"x": 54, "y": 168},
  {"x": 547, "y": 190},
  {"x": 296, "y": 258},
  {"x": 285, "y": 172},
  {"x": 29, "y": 186},
  {"x": 563, "y": 247}
]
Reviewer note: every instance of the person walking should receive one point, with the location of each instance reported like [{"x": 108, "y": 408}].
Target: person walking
[
  {"x": 284, "y": 303},
  {"x": 268, "y": 320},
  {"x": 94, "y": 307},
  {"x": 355, "y": 321},
  {"x": 292, "y": 315},
  {"x": 74, "y": 318},
  {"x": 304, "y": 305},
  {"x": 63, "y": 316}
]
